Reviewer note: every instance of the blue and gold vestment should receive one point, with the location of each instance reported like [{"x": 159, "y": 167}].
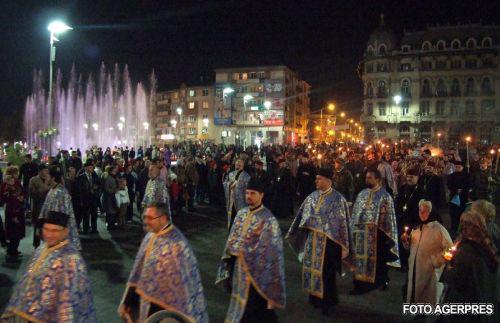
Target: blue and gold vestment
[
  {"x": 55, "y": 288},
  {"x": 373, "y": 212},
  {"x": 156, "y": 191},
  {"x": 166, "y": 274},
  {"x": 255, "y": 241},
  {"x": 234, "y": 191},
  {"x": 59, "y": 200},
  {"x": 322, "y": 216}
]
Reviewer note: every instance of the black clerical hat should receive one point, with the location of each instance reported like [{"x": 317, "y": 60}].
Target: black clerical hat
[
  {"x": 256, "y": 185},
  {"x": 57, "y": 218},
  {"x": 325, "y": 172}
]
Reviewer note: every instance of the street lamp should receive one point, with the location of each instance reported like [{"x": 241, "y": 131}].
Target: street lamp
[
  {"x": 55, "y": 28},
  {"x": 267, "y": 105},
  {"x": 342, "y": 114},
  {"x": 145, "y": 125},
  {"x": 173, "y": 122},
  {"x": 467, "y": 140},
  {"x": 397, "y": 99},
  {"x": 179, "y": 110},
  {"x": 439, "y": 137}
]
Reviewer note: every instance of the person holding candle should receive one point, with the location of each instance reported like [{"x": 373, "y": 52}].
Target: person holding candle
[
  {"x": 470, "y": 276},
  {"x": 406, "y": 204},
  {"x": 426, "y": 242}
]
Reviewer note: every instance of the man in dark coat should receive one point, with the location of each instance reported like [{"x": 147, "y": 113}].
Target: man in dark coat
[
  {"x": 343, "y": 181},
  {"x": 75, "y": 161},
  {"x": 284, "y": 191},
  {"x": 87, "y": 197},
  {"x": 459, "y": 186},
  {"x": 28, "y": 170},
  {"x": 306, "y": 175},
  {"x": 131, "y": 187},
  {"x": 356, "y": 167},
  {"x": 406, "y": 205},
  {"x": 433, "y": 188},
  {"x": 482, "y": 182}
]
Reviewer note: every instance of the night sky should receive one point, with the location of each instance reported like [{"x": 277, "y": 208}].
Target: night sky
[{"x": 182, "y": 40}]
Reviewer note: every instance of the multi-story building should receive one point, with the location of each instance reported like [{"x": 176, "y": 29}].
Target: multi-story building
[
  {"x": 263, "y": 104},
  {"x": 185, "y": 113},
  {"x": 445, "y": 79}
]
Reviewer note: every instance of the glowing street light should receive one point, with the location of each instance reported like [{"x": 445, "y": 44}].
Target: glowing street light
[
  {"x": 58, "y": 27},
  {"x": 86, "y": 125},
  {"x": 227, "y": 90},
  {"x": 179, "y": 110},
  {"x": 397, "y": 98},
  {"x": 95, "y": 126},
  {"x": 267, "y": 104},
  {"x": 173, "y": 122},
  {"x": 247, "y": 98},
  {"x": 331, "y": 106},
  {"x": 55, "y": 27},
  {"x": 318, "y": 128},
  {"x": 145, "y": 125},
  {"x": 120, "y": 126},
  {"x": 467, "y": 140},
  {"x": 122, "y": 119},
  {"x": 342, "y": 114}
]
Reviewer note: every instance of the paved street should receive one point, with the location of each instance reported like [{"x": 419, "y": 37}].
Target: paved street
[{"x": 110, "y": 258}]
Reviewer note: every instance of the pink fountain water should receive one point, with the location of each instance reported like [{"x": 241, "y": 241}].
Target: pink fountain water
[{"x": 109, "y": 112}]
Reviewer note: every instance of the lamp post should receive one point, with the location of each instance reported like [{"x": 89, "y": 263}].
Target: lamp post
[
  {"x": 330, "y": 107},
  {"x": 55, "y": 28},
  {"x": 467, "y": 140},
  {"x": 439, "y": 137}
]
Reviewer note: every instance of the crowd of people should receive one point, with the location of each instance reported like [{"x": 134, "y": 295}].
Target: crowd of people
[{"x": 360, "y": 207}]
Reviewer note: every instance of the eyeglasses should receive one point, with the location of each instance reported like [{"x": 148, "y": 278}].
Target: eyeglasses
[
  {"x": 52, "y": 230},
  {"x": 147, "y": 218}
]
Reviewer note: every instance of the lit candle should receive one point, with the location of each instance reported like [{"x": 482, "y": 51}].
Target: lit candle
[{"x": 448, "y": 254}]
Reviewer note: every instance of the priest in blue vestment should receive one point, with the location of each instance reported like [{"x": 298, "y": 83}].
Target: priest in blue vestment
[
  {"x": 165, "y": 275},
  {"x": 234, "y": 191},
  {"x": 55, "y": 287},
  {"x": 156, "y": 189},
  {"x": 59, "y": 200},
  {"x": 374, "y": 236},
  {"x": 252, "y": 265},
  {"x": 320, "y": 237}
]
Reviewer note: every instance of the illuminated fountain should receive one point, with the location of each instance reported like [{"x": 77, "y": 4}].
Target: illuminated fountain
[{"x": 107, "y": 112}]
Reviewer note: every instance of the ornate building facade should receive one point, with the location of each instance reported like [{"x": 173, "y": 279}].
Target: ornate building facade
[{"x": 444, "y": 80}]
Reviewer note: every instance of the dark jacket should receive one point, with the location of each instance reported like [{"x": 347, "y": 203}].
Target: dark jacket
[
  {"x": 470, "y": 277},
  {"x": 459, "y": 183},
  {"x": 344, "y": 183},
  {"x": 306, "y": 176},
  {"x": 86, "y": 194}
]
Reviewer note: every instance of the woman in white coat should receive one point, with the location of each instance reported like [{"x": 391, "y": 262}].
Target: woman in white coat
[{"x": 427, "y": 242}]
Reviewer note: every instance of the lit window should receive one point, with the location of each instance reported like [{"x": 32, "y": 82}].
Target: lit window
[
  {"x": 381, "y": 109},
  {"x": 204, "y": 104},
  {"x": 192, "y": 93},
  {"x": 405, "y": 108},
  {"x": 191, "y": 105}
]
